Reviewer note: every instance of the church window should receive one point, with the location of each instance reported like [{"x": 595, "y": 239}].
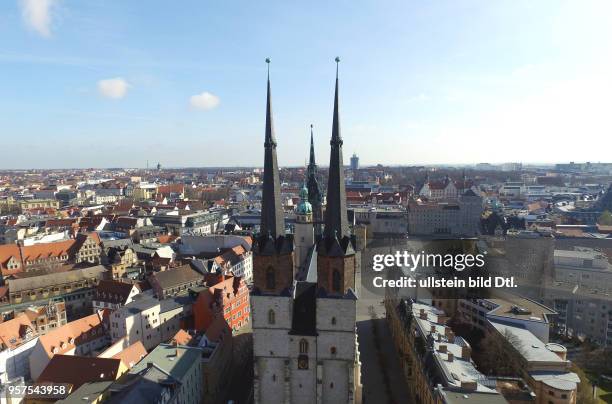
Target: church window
[
  {"x": 270, "y": 278},
  {"x": 271, "y": 317},
  {"x": 303, "y": 346},
  {"x": 336, "y": 281}
]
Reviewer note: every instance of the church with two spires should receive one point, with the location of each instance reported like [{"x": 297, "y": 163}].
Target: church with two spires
[{"x": 303, "y": 302}]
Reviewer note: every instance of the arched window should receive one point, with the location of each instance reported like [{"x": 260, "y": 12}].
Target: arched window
[
  {"x": 333, "y": 321},
  {"x": 270, "y": 278},
  {"x": 336, "y": 281},
  {"x": 303, "y": 346},
  {"x": 271, "y": 317},
  {"x": 333, "y": 350}
]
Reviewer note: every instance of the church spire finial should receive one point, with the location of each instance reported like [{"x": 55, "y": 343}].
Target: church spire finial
[
  {"x": 337, "y": 64},
  {"x": 336, "y": 119}
]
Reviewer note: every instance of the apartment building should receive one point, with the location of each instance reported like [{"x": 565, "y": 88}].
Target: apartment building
[
  {"x": 228, "y": 298},
  {"x": 74, "y": 287},
  {"x": 511, "y": 309},
  {"x": 460, "y": 217},
  {"x": 436, "y": 363},
  {"x": 112, "y": 294},
  {"x": 149, "y": 320},
  {"x": 179, "y": 366},
  {"x": 17, "y": 339},
  {"x": 81, "y": 337},
  {"x": 544, "y": 366},
  {"x": 174, "y": 281}
]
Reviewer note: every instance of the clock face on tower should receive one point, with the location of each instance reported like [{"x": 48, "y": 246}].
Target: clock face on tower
[{"x": 303, "y": 362}]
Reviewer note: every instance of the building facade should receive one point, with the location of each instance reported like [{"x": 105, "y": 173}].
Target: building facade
[{"x": 304, "y": 316}]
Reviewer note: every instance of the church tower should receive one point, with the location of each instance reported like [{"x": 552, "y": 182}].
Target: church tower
[
  {"x": 304, "y": 232},
  {"x": 336, "y": 265},
  {"x": 272, "y": 248},
  {"x": 315, "y": 196}
]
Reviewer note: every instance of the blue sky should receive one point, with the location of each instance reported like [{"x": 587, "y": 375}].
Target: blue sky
[{"x": 104, "y": 84}]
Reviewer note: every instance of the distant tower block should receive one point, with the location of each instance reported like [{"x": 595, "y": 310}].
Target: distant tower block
[{"x": 354, "y": 162}]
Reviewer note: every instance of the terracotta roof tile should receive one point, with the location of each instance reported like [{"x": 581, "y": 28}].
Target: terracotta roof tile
[
  {"x": 132, "y": 354},
  {"x": 182, "y": 337},
  {"x": 68, "y": 336},
  {"x": 78, "y": 370},
  {"x": 13, "y": 332}
]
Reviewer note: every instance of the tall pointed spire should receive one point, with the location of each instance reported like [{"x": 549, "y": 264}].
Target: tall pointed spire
[
  {"x": 336, "y": 222},
  {"x": 312, "y": 161},
  {"x": 315, "y": 196},
  {"x": 272, "y": 217}
]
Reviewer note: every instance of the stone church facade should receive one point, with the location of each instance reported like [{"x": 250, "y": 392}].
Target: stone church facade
[{"x": 304, "y": 313}]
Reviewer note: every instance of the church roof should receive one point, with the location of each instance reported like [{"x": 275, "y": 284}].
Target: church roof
[{"x": 304, "y": 319}]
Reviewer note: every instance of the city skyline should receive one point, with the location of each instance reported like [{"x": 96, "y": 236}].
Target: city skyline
[{"x": 432, "y": 80}]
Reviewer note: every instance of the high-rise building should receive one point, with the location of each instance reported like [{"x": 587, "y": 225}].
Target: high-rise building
[
  {"x": 354, "y": 162},
  {"x": 304, "y": 316}
]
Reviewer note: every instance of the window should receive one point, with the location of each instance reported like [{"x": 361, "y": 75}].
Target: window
[
  {"x": 303, "y": 346},
  {"x": 270, "y": 278},
  {"x": 333, "y": 350},
  {"x": 271, "y": 317},
  {"x": 333, "y": 320},
  {"x": 336, "y": 281}
]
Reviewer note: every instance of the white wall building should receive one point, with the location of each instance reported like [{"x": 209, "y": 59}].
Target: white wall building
[{"x": 147, "y": 319}]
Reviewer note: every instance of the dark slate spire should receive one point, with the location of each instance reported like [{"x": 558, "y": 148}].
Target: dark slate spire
[
  {"x": 272, "y": 217},
  {"x": 312, "y": 162},
  {"x": 315, "y": 196},
  {"x": 336, "y": 222}
]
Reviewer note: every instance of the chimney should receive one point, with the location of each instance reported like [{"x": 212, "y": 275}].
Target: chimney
[
  {"x": 469, "y": 385},
  {"x": 422, "y": 314},
  {"x": 433, "y": 328},
  {"x": 451, "y": 357},
  {"x": 450, "y": 335},
  {"x": 466, "y": 352},
  {"x": 442, "y": 348}
]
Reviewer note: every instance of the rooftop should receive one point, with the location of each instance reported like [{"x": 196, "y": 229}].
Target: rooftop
[{"x": 176, "y": 361}]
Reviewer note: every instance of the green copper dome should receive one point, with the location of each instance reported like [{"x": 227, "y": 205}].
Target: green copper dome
[{"x": 304, "y": 207}]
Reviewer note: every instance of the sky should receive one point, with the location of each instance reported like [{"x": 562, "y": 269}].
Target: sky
[{"x": 85, "y": 83}]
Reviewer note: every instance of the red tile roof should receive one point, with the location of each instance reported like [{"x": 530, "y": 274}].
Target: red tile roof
[
  {"x": 13, "y": 332},
  {"x": 132, "y": 354},
  {"x": 68, "y": 336},
  {"x": 78, "y": 370}
]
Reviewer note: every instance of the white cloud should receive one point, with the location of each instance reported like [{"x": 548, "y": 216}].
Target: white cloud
[
  {"x": 204, "y": 101},
  {"x": 37, "y": 15},
  {"x": 113, "y": 88}
]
